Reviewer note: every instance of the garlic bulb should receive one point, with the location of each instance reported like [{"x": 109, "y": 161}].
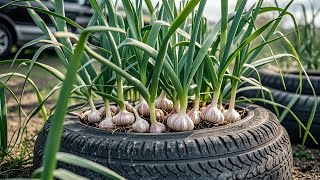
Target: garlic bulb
[
  {"x": 106, "y": 123},
  {"x": 231, "y": 115},
  {"x": 143, "y": 108},
  {"x": 94, "y": 117},
  {"x": 102, "y": 111},
  {"x": 180, "y": 122},
  {"x": 123, "y": 118},
  {"x": 129, "y": 107},
  {"x": 194, "y": 115},
  {"x": 157, "y": 128},
  {"x": 140, "y": 125},
  {"x": 114, "y": 109},
  {"x": 163, "y": 103},
  {"x": 212, "y": 114}
]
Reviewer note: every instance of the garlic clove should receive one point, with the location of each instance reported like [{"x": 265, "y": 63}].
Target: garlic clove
[
  {"x": 94, "y": 117},
  {"x": 212, "y": 114},
  {"x": 180, "y": 122},
  {"x": 157, "y": 128},
  {"x": 140, "y": 125},
  {"x": 123, "y": 118},
  {"x": 106, "y": 123},
  {"x": 143, "y": 108},
  {"x": 194, "y": 115},
  {"x": 231, "y": 115}
]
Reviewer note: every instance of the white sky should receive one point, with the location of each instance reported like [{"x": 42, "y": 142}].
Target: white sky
[{"x": 212, "y": 10}]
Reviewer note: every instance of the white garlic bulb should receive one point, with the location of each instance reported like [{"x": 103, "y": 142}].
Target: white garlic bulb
[
  {"x": 140, "y": 125},
  {"x": 123, "y": 118},
  {"x": 231, "y": 115},
  {"x": 114, "y": 109},
  {"x": 94, "y": 117},
  {"x": 143, "y": 108},
  {"x": 194, "y": 115},
  {"x": 106, "y": 123},
  {"x": 180, "y": 122},
  {"x": 102, "y": 111},
  {"x": 212, "y": 114},
  {"x": 157, "y": 128},
  {"x": 163, "y": 103}
]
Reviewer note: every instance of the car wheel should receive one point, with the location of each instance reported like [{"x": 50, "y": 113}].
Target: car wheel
[{"x": 5, "y": 41}]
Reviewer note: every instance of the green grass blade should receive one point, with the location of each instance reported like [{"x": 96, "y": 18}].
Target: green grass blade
[
  {"x": 81, "y": 162},
  {"x": 3, "y": 123}
]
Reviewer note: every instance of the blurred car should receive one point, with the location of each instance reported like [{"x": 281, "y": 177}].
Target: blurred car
[{"x": 17, "y": 26}]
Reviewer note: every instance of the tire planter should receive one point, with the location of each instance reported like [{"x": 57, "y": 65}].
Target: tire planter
[
  {"x": 257, "y": 147},
  {"x": 303, "y": 106}
]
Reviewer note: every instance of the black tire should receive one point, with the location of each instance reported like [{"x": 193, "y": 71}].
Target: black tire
[
  {"x": 272, "y": 79},
  {"x": 302, "y": 109},
  {"x": 254, "y": 148}
]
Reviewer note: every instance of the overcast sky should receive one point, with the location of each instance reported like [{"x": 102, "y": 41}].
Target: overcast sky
[{"x": 212, "y": 10}]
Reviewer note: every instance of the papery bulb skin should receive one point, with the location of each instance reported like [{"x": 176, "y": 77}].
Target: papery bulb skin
[
  {"x": 157, "y": 128},
  {"x": 231, "y": 115},
  {"x": 114, "y": 109},
  {"x": 180, "y": 122},
  {"x": 163, "y": 103},
  {"x": 140, "y": 125},
  {"x": 166, "y": 104},
  {"x": 106, "y": 123},
  {"x": 212, "y": 114},
  {"x": 157, "y": 102},
  {"x": 143, "y": 108},
  {"x": 194, "y": 115},
  {"x": 123, "y": 118},
  {"x": 102, "y": 111},
  {"x": 94, "y": 117}
]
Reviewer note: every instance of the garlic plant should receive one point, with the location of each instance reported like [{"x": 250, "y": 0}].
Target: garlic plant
[{"x": 176, "y": 53}]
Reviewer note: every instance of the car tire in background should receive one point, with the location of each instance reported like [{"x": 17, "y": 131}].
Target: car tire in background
[
  {"x": 6, "y": 41},
  {"x": 302, "y": 107}
]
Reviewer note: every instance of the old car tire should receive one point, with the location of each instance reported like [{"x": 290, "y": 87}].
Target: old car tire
[
  {"x": 257, "y": 147},
  {"x": 6, "y": 41},
  {"x": 272, "y": 79},
  {"x": 302, "y": 109}
]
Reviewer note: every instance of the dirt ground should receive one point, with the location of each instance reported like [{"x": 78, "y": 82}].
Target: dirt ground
[{"x": 306, "y": 160}]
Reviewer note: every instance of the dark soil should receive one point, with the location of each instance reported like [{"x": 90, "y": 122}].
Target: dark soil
[{"x": 306, "y": 163}]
